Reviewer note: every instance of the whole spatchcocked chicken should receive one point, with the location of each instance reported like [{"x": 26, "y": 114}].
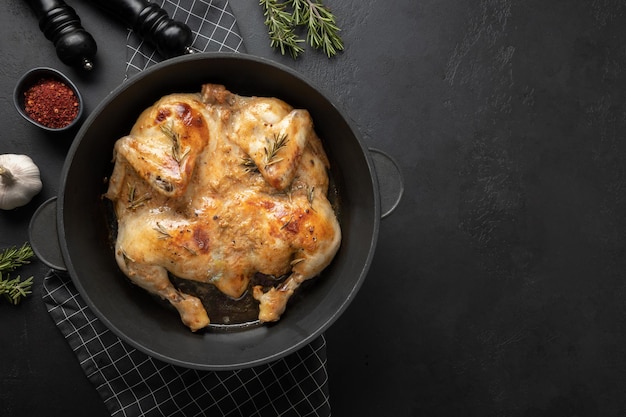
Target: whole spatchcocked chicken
[{"x": 216, "y": 187}]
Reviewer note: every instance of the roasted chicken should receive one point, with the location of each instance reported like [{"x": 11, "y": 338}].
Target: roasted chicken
[{"x": 215, "y": 187}]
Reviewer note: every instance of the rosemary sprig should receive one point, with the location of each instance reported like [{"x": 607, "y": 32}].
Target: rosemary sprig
[
  {"x": 13, "y": 257},
  {"x": 310, "y": 195},
  {"x": 191, "y": 251},
  {"x": 10, "y": 259},
  {"x": 280, "y": 26},
  {"x": 162, "y": 230},
  {"x": 286, "y": 223},
  {"x": 249, "y": 165},
  {"x": 271, "y": 150},
  {"x": 15, "y": 289},
  {"x": 134, "y": 201},
  {"x": 276, "y": 144},
  {"x": 168, "y": 130},
  {"x": 282, "y": 19},
  {"x": 322, "y": 29}
]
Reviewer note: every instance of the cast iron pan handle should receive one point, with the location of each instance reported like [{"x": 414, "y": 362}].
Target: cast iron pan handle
[
  {"x": 43, "y": 235},
  {"x": 390, "y": 183}
]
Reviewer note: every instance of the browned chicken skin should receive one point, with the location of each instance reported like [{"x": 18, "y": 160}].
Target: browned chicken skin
[{"x": 215, "y": 187}]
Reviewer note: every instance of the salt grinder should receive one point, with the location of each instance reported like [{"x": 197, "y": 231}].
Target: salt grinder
[
  {"x": 61, "y": 25},
  {"x": 152, "y": 23}
]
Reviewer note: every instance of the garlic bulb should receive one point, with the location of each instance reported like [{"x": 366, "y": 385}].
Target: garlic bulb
[{"x": 20, "y": 180}]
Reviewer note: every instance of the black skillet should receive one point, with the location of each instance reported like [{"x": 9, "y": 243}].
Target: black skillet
[{"x": 131, "y": 313}]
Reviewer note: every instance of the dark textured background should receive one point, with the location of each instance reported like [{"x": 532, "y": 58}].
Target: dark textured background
[{"x": 498, "y": 287}]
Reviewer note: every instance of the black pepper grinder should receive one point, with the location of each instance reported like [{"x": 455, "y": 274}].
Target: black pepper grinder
[
  {"x": 60, "y": 24},
  {"x": 171, "y": 38}
]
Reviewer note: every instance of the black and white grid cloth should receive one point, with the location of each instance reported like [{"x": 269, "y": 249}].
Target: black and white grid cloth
[{"x": 133, "y": 384}]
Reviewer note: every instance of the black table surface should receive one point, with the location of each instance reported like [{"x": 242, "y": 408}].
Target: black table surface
[{"x": 498, "y": 287}]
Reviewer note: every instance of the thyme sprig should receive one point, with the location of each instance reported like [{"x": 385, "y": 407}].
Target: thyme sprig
[
  {"x": 10, "y": 259},
  {"x": 283, "y": 18}
]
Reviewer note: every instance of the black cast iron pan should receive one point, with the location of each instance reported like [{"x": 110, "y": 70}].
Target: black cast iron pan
[{"x": 131, "y": 313}]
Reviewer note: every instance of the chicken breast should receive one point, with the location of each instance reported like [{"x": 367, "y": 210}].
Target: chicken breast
[{"x": 215, "y": 187}]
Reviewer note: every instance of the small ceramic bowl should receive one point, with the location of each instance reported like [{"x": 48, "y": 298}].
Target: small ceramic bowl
[{"x": 31, "y": 78}]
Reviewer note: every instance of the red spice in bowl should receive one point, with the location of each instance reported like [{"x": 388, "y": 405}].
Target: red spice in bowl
[
  {"x": 48, "y": 99},
  {"x": 51, "y": 103}
]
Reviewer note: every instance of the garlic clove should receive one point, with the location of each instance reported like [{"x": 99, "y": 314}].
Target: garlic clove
[{"x": 20, "y": 180}]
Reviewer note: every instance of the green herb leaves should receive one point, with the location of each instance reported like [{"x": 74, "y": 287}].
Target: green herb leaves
[
  {"x": 273, "y": 146},
  {"x": 15, "y": 289},
  {"x": 168, "y": 130},
  {"x": 10, "y": 259},
  {"x": 282, "y": 18}
]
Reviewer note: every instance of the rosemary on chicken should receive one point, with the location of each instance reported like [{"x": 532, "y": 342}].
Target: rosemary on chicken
[
  {"x": 191, "y": 251},
  {"x": 310, "y": 195},
  {"x": 283, "y": 18},
  {"x": 274, "y": 145},
  {"x": 168, "y": 130},
  {"x": 249, "y": 165},
  {"x": 164, "y": 234},
  {"x": 133, "y": 200},
  {"x": 286, "y": 223},
  {"x": 271, "y": 150},
  {"x": 10, "y": 259}
]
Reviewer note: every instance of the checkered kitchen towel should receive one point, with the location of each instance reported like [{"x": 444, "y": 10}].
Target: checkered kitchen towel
[{"x": 134, "y": 384}]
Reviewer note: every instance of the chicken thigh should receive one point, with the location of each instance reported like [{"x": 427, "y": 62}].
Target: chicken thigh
[{"x": 215, "y": 187}]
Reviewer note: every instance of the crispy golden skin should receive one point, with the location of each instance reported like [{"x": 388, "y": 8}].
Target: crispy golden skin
[{"x": 214, "y": 187}]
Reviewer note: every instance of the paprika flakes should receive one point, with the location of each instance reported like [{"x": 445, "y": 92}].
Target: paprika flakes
[{"x": 51, "y": 103}]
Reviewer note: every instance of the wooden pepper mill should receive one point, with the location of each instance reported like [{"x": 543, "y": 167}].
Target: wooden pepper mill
[
  {"x": 60, "y": 24},
  {"x": 152, "y": 23}
]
